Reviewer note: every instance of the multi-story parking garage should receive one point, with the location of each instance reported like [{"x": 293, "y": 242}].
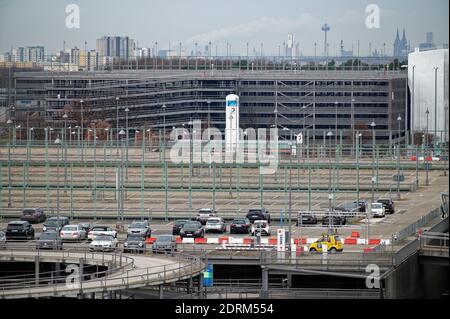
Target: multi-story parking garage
[{"x": 314, "y": 101}]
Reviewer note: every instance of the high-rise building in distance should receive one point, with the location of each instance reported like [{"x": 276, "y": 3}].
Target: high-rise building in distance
[{"x": 116, "y": 47}]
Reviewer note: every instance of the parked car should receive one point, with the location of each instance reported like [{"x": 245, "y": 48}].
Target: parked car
[
  {"x": 164, "y": 243},
  {"x": 377, "y": 210},
  {"x": 258, "y": 214},
  {"x": 141, "y": 228},
  {"x": 388, "y": 205},
  {"x": 177, "y": 225},
  {"x": 333, "y": 243},
  {"x": 204, "y": 214},
  {"x": 240, "y": 225},
  {"x": 215, "y": 224},
  {"x": 101, "y": 230},
  {"x": 49, "y": 240},
  {"x": 2, "y": 239},
  {"x": 55, "y": 224},
  {"x": 73, "y": 232},
  {"x": 352, "y": 208},
  {"x": 192, "y": 229},
  {"x": 86, "y": 226},
  {"x": 335, "y": 219},
  {"x": 103, "y": 243},
  {"x": 306, "y": 219},
  {"x": 260, "y": 227},
  {"x": 33, "y": 215},
  {"x": 134, "y": 243},
  {"x": 19, "y": 230}
]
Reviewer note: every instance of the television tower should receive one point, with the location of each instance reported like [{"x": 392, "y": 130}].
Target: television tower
[{"x": 325, "y": 29}]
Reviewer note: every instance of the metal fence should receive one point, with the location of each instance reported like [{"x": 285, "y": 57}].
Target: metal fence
[{"x": 421, "y": 222}]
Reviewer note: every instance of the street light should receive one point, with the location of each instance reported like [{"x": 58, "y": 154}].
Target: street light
[
  {"x": 120, "y": 197},
  {"x": 117, "y": 123},
  {"x": 435, "y": 105},
  {"x": 373, "y": 125},
  {"x": 426, "y": 150},
  {"x": 82, "y": 130},
  {"x": 164, "y": 131},
  {"x": 336, "y": 122},
  {"x": 330, "y": 195},
  {"x": 127, "y": 142},
  {"x": 9, "y": 122},
  {"x": 58, "y": 144},
  {"x": 65, "y": 151},
  {"x": 399, "y": 119}
]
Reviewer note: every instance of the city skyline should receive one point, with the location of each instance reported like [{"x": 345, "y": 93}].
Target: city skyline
[{"x": 262, "y": 24}]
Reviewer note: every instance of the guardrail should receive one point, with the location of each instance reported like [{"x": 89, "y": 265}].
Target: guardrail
[
  {"x": 109, "y": 280},
  {"x": 421, "y": 222}
]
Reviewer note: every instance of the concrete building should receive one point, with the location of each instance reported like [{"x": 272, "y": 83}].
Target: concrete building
[
  {"x": 116, "y": 47},
  {"x": 426, "y": 92},
  {"x": 35, "y": 54},
  {"x": 317, "y": 102}
]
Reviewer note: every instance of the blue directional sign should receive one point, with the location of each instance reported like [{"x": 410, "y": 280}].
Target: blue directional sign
[{"x": 208, "y": 276}]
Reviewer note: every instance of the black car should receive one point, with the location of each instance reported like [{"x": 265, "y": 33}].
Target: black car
[
  {"x": 55, "y": 224},
  {"x": 306, "y": 219},
  {"x": 19, "y": 230},
  {"x": 177, "y": 225},
  {"x": 388, "y": 205},
  {"x": 240, "y": 225},
  {"x": 192, "y": 230},
  {"x": 258, "y": 214},
  {"x": 49, "y": 240},
  {"x": 335, "y": 220},
  {"x": 33, "y": 215}
]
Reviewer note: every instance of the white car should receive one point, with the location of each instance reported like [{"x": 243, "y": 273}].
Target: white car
[
  {"x": 72, "y": 232},
  {"x": 262, "y": 227},
  {"x": 103, "y": 243},
  {"x": 101, "y": 230},
  {"x": 204, "y": 214},
  {"x": 377, "y": 210},
  {"x": 215, "y": 224}
]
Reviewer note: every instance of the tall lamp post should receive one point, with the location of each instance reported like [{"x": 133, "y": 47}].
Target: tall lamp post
[
  {"x": 446, "y": 136},
  {"x": 117, "y": 124},
  {"x": 330, "y": 195},
  {"x": 426, "y": 150},
  {"x": 65, "y": 151},
  {"x": 58, "y": 144},
  {"x": 399, "y": 119},
  {"x": 164, "y": 132},
  {"x": 9, "y": 122},
  {"x": 373, "y": 125},
  {"x": 336, "y": 122},
  {"x": 435, "y": 106},
  {"x": 82, "y": 130},
  {"x": 120, "y": 186},
  {"x": 127, "y": 145}
]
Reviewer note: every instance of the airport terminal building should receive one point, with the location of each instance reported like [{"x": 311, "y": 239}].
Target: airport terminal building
[{"x": 315, "y": 101}]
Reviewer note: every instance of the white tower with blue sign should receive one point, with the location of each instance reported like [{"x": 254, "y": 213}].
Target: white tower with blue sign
[{"x": 232, "y": 124}]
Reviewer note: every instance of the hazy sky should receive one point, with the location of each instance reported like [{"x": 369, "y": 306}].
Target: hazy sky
[{"x": 42, "y": 22}]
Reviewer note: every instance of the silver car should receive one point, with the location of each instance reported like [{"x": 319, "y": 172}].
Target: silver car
[
  {"x": 72, "y": 232},
  {"x": 164, "y": 243},
  {"x": 215, "y": 224},
  {"x": 49, "y": 240},
  {"x": 140, "y": 228}
]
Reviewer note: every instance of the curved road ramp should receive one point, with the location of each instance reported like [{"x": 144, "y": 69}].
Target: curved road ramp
[{"x": 123, "y": 272}]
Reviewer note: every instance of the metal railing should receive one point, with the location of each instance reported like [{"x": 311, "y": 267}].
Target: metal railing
[
  {"x": 421, "y": 222},
  {"x": 110, "y": 280}
]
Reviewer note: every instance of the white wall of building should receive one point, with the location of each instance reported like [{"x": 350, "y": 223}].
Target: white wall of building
[{"x": 423, "y": 89}]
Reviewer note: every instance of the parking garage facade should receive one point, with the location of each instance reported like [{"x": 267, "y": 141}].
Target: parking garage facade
[{"x": 312, "y": 102}]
